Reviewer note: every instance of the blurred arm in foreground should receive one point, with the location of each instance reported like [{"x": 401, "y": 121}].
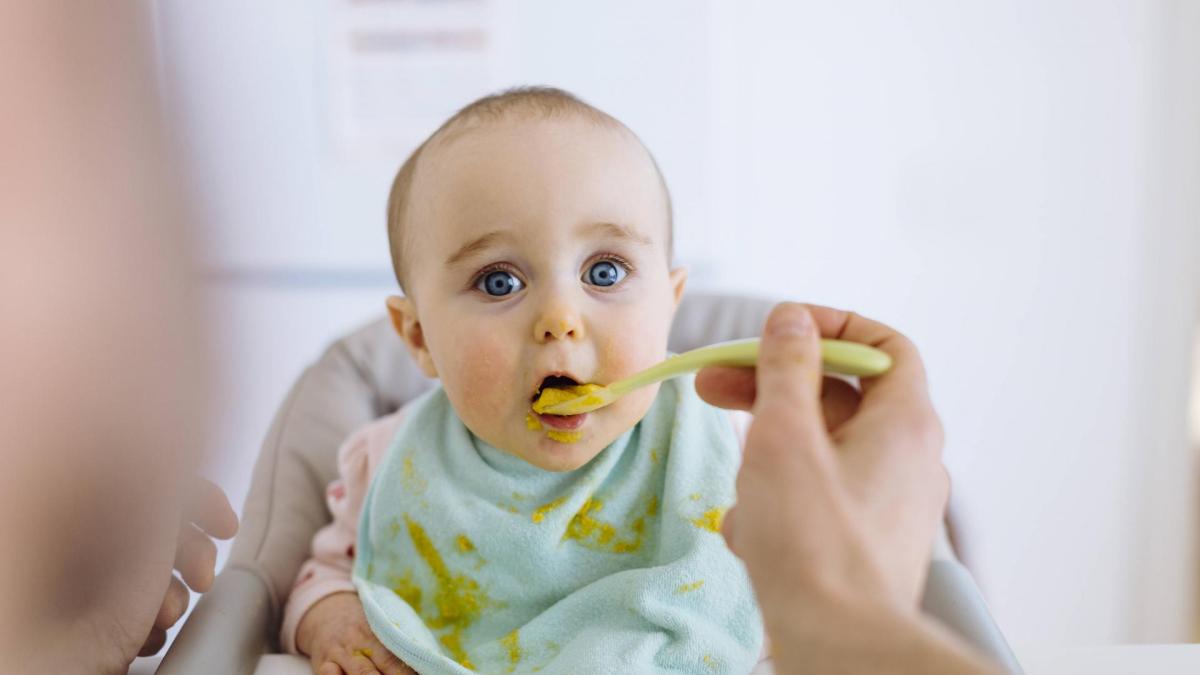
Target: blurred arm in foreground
[{"x": 101, "y": 397}]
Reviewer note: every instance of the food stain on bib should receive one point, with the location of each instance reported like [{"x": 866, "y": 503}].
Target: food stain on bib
[
  {"x": 466, "y": 548},
  {"x": 587, "y": 530},
  {"x": 412, "y": 481},
  {"x": 710, "y": 520},
  {"x": 512, "y": 643},
  {"x": 539, "y": 514},
  {"x": 407, "y": 590},
  {"x": 458, "y": 601}
]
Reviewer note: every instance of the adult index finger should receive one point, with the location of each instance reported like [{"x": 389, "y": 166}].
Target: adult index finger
[
  {"x": 210, "y": 510},
  {"x": 727, "y": 387},
  {"x": 895, "y": 405},
  {"x": 788, "y": 374},
  {"x": 906, "y": 378}
]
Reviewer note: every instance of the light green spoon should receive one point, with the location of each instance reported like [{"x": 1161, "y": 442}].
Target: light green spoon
[{"x": 837, "y": 356}]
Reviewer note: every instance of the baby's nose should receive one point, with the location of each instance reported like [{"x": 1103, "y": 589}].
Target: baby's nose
[{"x": 558, "y": 324}]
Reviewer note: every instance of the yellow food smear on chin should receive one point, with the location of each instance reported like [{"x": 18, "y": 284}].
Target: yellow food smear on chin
[
  {"x": 710, "y": 520},
  {"x": 564, "y": 436},
  {"x": 533, "y": 424},
  {"x": 555, "y": 395}
]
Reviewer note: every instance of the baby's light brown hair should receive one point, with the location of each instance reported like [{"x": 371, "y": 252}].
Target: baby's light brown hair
[{"x": 527, "y": 102}]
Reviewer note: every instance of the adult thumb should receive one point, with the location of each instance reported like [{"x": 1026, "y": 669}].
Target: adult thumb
[{"x": 789, "y": 369}]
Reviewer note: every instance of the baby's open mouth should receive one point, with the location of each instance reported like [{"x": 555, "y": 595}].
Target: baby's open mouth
[
  {"x": 554, "y": 388},
  {"x": 553, "y": 382}
]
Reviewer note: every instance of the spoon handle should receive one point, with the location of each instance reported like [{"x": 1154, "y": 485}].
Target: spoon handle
[{"x": 837, "y": 356}]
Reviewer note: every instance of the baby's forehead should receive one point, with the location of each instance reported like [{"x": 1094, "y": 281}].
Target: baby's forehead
[
  {"x": 534, "y": 164},
  {"x": 466, "y": 139}
]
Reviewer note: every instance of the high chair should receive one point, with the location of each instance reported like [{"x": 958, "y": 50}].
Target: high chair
[{"x": 369, "y": 374}]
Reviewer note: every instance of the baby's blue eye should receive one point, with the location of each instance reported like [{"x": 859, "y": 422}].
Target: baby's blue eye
[
  {"x": 605, "y": 273},
  {"x": 499, "y": 283}
]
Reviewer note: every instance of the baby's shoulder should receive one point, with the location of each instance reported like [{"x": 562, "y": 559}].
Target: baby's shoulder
[{"x": 367, "y": 445}]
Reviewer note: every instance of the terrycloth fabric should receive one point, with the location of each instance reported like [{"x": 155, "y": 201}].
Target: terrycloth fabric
[{"x": 470, "y": 558}]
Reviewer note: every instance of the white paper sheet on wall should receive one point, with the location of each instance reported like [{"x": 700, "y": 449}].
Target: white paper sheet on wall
[{"x": 399, "y": 68}]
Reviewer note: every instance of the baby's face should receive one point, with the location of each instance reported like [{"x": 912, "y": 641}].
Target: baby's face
[{"x": 538, "y": 248}]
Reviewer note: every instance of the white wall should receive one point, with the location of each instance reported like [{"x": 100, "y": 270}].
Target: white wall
[
  {"x": 984, "y": 175},
  {"x": 1007, "y": 182}
]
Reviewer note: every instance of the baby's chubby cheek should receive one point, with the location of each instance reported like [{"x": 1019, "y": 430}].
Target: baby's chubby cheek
[
  {"x": 480, "y": 379},
  {"x": 625, "y": 352}
]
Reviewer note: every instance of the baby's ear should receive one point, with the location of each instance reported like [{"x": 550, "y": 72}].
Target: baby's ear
[
  {"x": 678, "y": 281},
  {"x": 404, "y": 319}
]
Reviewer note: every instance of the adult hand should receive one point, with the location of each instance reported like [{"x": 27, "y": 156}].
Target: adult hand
[
  {"x": 208, "y": 514},
  {"x": 839, "y": 497}
]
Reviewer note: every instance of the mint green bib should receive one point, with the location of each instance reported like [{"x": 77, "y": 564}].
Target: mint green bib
[{"x": 470, "y": 559}]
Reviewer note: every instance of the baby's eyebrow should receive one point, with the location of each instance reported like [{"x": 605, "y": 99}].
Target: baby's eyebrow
[
  {"x": 480, "y": 244},
  {"x": 616, "y": 231},
  {"x": 477, "y": 245}
]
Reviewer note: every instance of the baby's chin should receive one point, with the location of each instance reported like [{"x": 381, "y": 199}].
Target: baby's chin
[
  {"x": 558, "y": 450},
  {"x": 560, "y": 456},
  {"x": 558, "y": 447}
]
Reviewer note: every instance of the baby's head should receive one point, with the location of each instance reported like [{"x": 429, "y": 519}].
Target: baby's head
[{"x": 531, "y": 235}]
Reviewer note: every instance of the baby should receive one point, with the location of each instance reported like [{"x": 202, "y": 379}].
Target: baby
[{"x": 531, "y": 235}]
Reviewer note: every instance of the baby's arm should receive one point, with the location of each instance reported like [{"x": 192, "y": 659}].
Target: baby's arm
[
  {"x": 336, "y": 635},
  {"x": 322, "y": 611}
]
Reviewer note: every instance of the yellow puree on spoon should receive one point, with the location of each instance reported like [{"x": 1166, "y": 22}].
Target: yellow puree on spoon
[{"x": 552, "y": 396}]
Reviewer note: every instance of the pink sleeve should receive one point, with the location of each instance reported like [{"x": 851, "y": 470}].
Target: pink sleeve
[
  {"x": 329, "y": 569},
  {"x": 741, "y": 424}
]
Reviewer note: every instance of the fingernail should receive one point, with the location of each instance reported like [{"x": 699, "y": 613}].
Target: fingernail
[{"x": 792, "y": 323}]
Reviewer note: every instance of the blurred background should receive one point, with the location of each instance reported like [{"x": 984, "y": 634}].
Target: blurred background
[{"x": 1014, "y": 184}]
